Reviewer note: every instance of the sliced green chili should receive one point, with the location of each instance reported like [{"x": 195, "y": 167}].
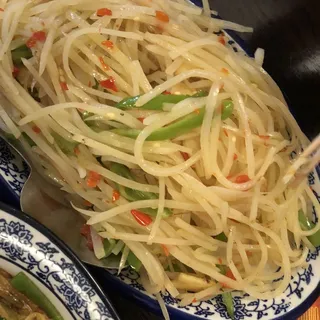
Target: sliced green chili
[
  {"x": 108, "y": 245},
  {"x": 227, "y": 109},
  {"x": 66, "y": 146},
  {"x": 306, "y": 225},
  {"x": 175, "y": 129},
  {"x": 154, "y": 104},
  {"x": 228, "y": 302},
  {"x": 221, "y": 237},
  {"x": 21, "y": 52},
  {"x": 135, "y": 195},
  {"x": 24, "y": 285},
  {"x": 134, "y": 262}
]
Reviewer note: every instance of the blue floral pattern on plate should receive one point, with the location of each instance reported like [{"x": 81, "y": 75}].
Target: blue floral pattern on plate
[{"x": 39, "y": 255}]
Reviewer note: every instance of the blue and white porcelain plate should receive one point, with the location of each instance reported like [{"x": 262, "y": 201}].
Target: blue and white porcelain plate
[
  {"x": 27, "y": 246},
  {"x": 23, "y": 245},
  {"x": 303, "y": 290}
]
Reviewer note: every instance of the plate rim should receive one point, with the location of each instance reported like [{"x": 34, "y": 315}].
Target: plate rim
[{"x": 20, "y": 215}]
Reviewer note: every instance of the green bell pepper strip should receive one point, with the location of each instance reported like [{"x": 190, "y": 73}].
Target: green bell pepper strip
[
  {"x": 308, "y": 225},
  {"x": 157, "y": 102},
  {"x": 24, "y": 285},
  {"x": 135, "y": 195},
  {"x": 12, "y": 138},
  {"x": 227, "y": 109},
  {"x": 175, "y": 129},
  {"x": 187, "y": 123},
  {"x": 66, "y": 146},
  {"x": 108, "y": 245},
  {"x": 154, "y": 104},
  {"x": 134, "y": 262},
  {"x": 221, "y": 237},
  {"x": 21, "y": 52},
  {"x": 228, "y": 302}
]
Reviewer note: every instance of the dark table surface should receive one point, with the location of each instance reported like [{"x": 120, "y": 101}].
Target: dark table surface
[{"x": 289, "y": 31}]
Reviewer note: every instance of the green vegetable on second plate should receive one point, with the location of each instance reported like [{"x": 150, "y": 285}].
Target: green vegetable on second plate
[
  {"x": 226, "y": 296},
  {"x": 135, "y": 195},
  {"x": 24, "y": 285},
  {"x": 179, "y": 127},
  {"x": 308, "y": 225},
  {"x": 228, "y": 302}
]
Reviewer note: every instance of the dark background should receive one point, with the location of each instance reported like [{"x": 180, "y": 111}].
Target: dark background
[{"x": 289, "y": 31}]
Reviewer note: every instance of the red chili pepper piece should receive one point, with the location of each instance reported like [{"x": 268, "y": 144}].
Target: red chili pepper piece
[
  {"x": 141, "y": 217},
  {"x": 109, "y": 84},
  {"x": 104, "y": 12},
  {"x": 242, "y": 179},
  {"x": 162, "y": 16}
]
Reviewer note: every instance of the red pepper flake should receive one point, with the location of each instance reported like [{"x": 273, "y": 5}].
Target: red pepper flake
[
  {"x": 15, "y": 71},
  {"x": 235, "y": 156},
  {"x": 220, "y": 261},
  {"x": 87, "y": 203},
  {"x": 162, "y": 16},
  {"x": 93, "y": 179},
  {"x": 1, "y": 9},
  {"x": 222, "y": 40},
  {"x": 109, "y": 84},
  {"x": 36, "y": 36},
  {"x": 31, "y": 43},
  {"x": 76, "y": 151},
  {"x": 166, "y": 92},
  {"x": 230, "y": 275},
  {"x": 185, "y": 155},
  {"x": 64, "y": 86},
  {"x": 196, "y": 111},
  {"x": 141, "y": 217},
  {"x": 141, "y": 119},
  {"x": 225, "y": 71},
  {"x": 104, "y": 12},
  {"x": 242, "y": 179},
  {"x": 39, "y": 36},
  {"x": 107, "y": 43},
  {"x": 226, "y": 132},
  {"x": 165, "y": 250},
  {"x": 36, "y": 129},
  {"x": 194, "y": 300},
  {"x": 104, "y": 65},
  {"x": 115, "y": 195}
]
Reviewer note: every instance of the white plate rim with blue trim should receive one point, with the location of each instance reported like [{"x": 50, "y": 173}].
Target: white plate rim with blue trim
[{"x": 28, "y": 246}]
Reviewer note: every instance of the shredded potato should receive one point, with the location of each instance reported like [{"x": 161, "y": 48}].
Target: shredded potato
[{"x": 196, "y": 151}]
